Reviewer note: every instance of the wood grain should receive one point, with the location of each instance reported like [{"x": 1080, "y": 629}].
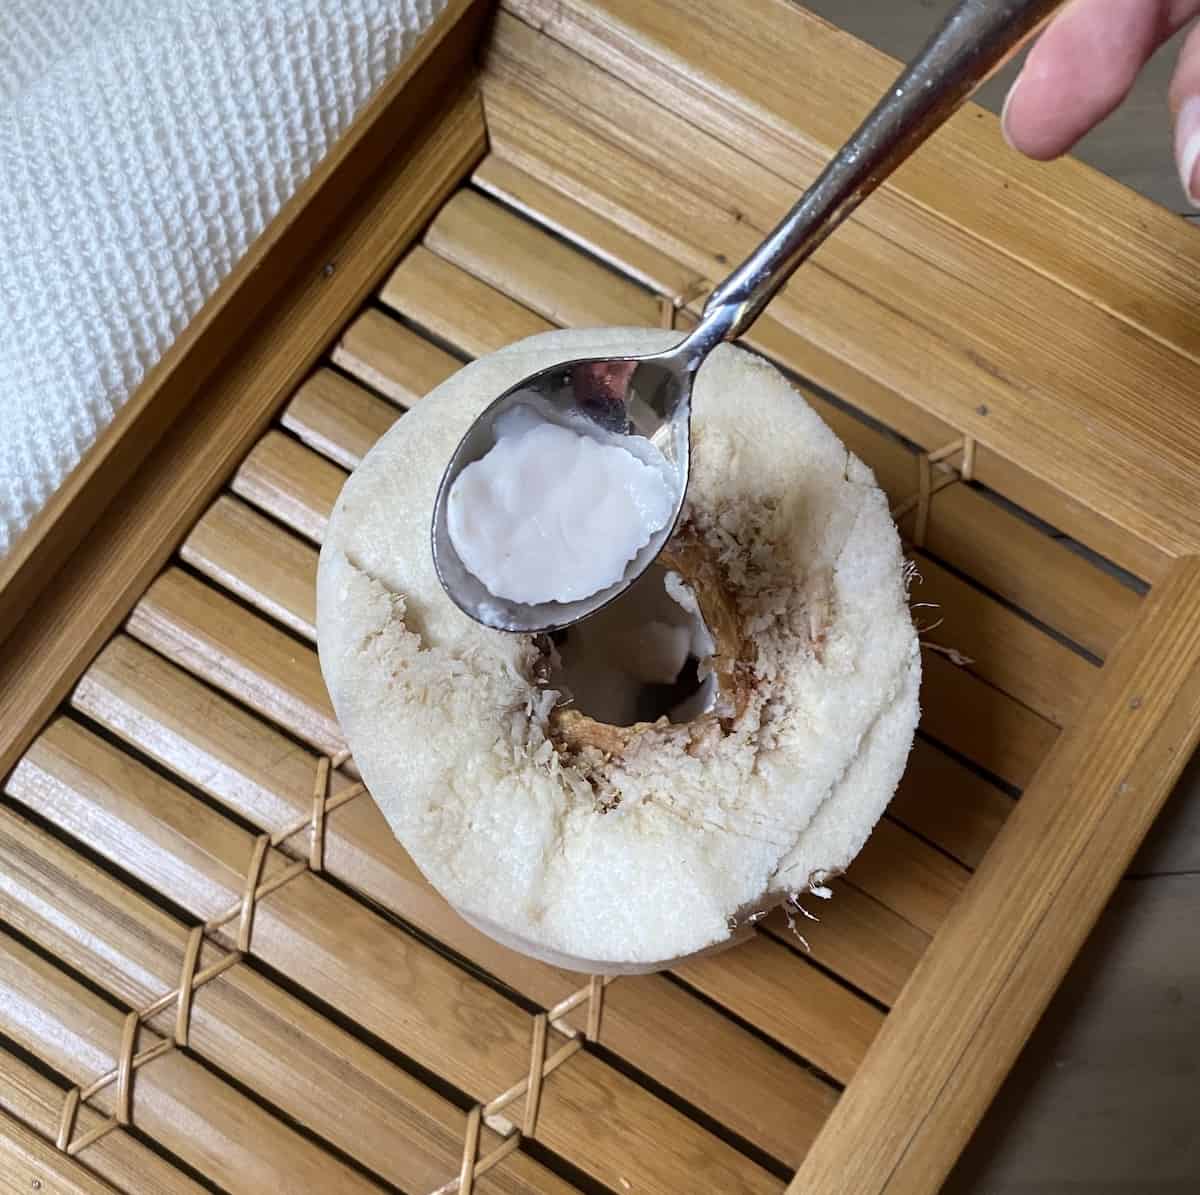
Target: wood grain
[
  {"x": 207, "y": 1123},
  {"x": 433, "y": 289},
  {"x": 859, "y": 939},
  {"x": 389, "y": 124},
  {"x": 949, "y": 804},
  {"x": 336, "y": 418},
  {"x": 360, "y": 964},
  {"x": 989, "y": 973},
  {"x": 244, "y": 1025},
  {"x": 134, "y": 538},
  {"x": 258, "y": 561},
  {"x": 961, "y": 194},
  {"x": 30, "y": 1163},
  {"x": 791, "y": 111},
  {"x": 392, "y": 359},
  {"x": 558, "y": 283},
  {"x": 35, "y": 1101},
  {"x": 602, "y": 238},
  {"x": 238, "y": 654},
  {"x": 291, "y": 483}
]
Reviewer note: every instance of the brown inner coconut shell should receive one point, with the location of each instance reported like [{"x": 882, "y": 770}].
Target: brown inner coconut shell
[{"x": 575, "y": 733}]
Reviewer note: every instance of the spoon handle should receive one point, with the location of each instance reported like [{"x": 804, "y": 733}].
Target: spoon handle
[{"x": 976, "y": 39}]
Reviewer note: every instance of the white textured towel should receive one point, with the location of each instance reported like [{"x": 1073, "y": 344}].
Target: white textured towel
[{"x": 144, "y": 145}]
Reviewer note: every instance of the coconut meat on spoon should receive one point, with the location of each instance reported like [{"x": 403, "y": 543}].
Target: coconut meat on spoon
[{"x": 557, "y": 509}]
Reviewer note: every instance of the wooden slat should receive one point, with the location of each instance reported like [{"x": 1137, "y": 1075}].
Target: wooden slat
[
  {"x": 392, "y": 359},
  {"x": 133, "y": 539},
  {"x": 981, "y": 723},
  {"x": 239, "y": 654},
  {"x": 258, "y": 561},
  {"x": 30, "y": 1163},
  {"x": 981, "y": 987},
  {"x": 1004, "y": 649},
  {"x": 559, "y": 283},
  {"x": 247, "y": 1027},
  {"x": 909, "y": 876},
  {"x": 999, "y": 331},
  {"x": 823, "y": 1022},
  {"x": 601, "y": 237},
  {"x": 336, "y": 418},
  {"x": 253, "y": 769},
  {"x": 360, "y": 964},
  {"x": 416, "y": 103},
  {"x": 865, "y": 942},
  {"x": 206, "y": 1123},
  {"x": 541, "y": 138},
  {"x": 1059, "y": 219},
  {"x": 948, "y": 804},
  {"x": 1056, "y": 585},
  {"x": 35, "y": 1101},
  {"x": 290, "y": 482},
  {"x": 439, "y": 297}
]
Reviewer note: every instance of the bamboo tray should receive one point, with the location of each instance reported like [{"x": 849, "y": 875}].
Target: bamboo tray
[{"x": 217, "y": 969}]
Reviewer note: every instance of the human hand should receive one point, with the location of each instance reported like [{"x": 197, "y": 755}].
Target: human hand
[{"x": 1083, "y": 66}]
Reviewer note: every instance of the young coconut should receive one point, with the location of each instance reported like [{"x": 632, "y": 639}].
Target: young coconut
[{"x": 628, "y": 844}]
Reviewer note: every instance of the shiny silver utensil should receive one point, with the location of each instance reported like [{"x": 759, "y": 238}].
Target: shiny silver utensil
[{"x": 650, "y": 396}]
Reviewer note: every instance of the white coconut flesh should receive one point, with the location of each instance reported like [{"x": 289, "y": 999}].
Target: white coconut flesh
[
  {"x": 551, "y": 514},
  {"x": 564, "y": 821}
]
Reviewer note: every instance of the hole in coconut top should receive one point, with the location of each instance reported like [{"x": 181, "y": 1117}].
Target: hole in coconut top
[{"x": 644, "y": 656}]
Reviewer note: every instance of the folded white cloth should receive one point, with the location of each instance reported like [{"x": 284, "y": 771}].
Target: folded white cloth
[{"x": 144, "y": 144}]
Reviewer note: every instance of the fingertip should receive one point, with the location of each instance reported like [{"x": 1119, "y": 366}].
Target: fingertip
[
  {"x": 1005, "y": 127},
  {"x": 1030, "y": 124},
  {"x": 1187, "y": 147}
]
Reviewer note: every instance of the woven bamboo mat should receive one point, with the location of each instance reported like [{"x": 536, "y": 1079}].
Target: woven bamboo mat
[
  {"x": 218, "y": 970},
  {"x": 219, "y": 963}
]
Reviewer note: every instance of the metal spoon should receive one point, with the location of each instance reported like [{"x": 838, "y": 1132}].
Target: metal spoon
[{"x": 651, "y": 396}]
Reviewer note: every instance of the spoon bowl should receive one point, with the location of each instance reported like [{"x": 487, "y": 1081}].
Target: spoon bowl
[{"x": 647, "y": 397}]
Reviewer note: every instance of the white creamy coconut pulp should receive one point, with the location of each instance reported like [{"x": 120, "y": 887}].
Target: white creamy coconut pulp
[
  {"x": 557, "y": 508},
  {"x": 720, "y": 738}
]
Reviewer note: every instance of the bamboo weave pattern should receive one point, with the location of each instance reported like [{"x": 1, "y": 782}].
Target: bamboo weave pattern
[{"x": 129, "y": 1059}]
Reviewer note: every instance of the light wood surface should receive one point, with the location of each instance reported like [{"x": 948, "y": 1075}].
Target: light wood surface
[
  {"x": 254, "y": 1031},
  {"x": 391, "y": 359},
  {"x": 335, "y": 417},
  {"x": 30, "y": 1163},
  {"x": 208, "y": 1124},
  {"x": 33, "y": 1101}
]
